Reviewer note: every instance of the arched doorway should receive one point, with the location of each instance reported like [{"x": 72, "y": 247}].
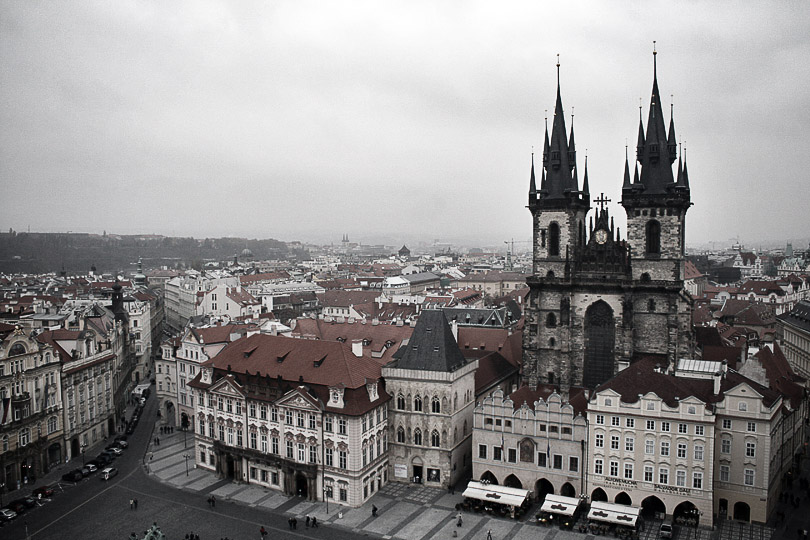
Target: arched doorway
[
  {"x": 623, "y": 498},
  {"x": 170, "y": 419},
  {"x": 512, "y": 481},
  {"x": 568, "y": 490},
  {"x": 184, "y": 421},
  {"x": 742, "y": 511},
  {"x": 652, "y": 506},
  {"x": 600, "y": 337},
  {"x": 599, "y": 495},
  {"x": 489, "y": 478},
  {"x": 722, "y": 508},
  {"x": 542, "y": 488},
  {"x": 301, "y": 485},
  {"x": 418, "y": 474},
  {"x": 687, "y": 512}
]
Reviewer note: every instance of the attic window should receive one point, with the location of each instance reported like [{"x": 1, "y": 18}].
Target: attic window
[{"x": 317, "y": 363}]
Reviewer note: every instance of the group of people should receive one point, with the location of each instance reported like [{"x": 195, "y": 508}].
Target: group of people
[
  {"x": 133, "y": 504},
  {"x": 293, "y": 522},
  {"x": 166, "y": 429},
  {"x": 192, "y": 536},
  {"x": 212, "y": 501}
]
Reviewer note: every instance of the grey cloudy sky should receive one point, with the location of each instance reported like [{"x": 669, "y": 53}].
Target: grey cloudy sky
[{"x": 387, "y": 120}]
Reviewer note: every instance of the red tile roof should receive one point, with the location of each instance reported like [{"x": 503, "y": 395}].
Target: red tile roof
[{"x": 577, "y": 397}]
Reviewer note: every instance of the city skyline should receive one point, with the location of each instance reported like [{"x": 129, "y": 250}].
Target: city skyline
[{"x": 305, "y": 121}]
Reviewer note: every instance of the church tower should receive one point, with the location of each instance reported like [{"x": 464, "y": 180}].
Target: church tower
[{"x": 596, "y": 301}]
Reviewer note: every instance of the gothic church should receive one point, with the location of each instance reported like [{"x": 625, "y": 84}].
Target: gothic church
[{"x": 598, "y": 302}]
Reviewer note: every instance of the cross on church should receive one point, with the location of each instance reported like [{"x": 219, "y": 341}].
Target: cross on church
[{"x": 602, "y": 201}]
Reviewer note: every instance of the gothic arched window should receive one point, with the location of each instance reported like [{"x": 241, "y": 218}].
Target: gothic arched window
[
  {"x": 553, "y": 240},
  {"x": 417, "y": 403},
  {"x": 435, "y": 405},
  {"x": 417, "y": 436},
  {"x": 551, "y": 320},
  {"x": 653, "y": 237},
  {"x": 400, "y": 434},
  {"x": 434, "y": 439},
  {"x": 401, "y": 402}
]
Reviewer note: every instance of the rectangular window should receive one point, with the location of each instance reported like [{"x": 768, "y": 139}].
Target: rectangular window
[
  {"x": 600, "y": 440},
  {"x": 288, "y": 417},
  {"x": 614, "y": 442},
  {"x": 697, "y": 480},
  {"x": 558, "y": 461},
  {"x": 289, "y": 449},
  {"x": 726, "y": 423},
  {"x": 541, "y": 459},
  {"x": 311, "y": 421},
  {"x": 299, "y": 417},
  {"x": 512, "y": 455},
  {"x": 482, "y": 451},
  {"x": 342, "y": 459},
  {"x": 665, "y": 426},
  {"x": 264, "y": 476},
  {"x": 573, "y": 464},
  {"x": 327, "y": 424},
  {"x": 680, "y": 478},
  {"x": 342, "y": 426},
  {"x": 649, "y": 447},
  {"x": 274, "y": 445},
  {"x": 615, "y": 421},
  {"x": 724, "y": 473},
  {"x": 273, "y": 414},
  {"x": 629, "y": 444},
  {"x": 650, "y": 425},
  {"x": 663, "y": 476},
  {"x": 614, "y": 468},
  {"x": 681, "y": 451},
  {"x": 699, "y": 431},
  {"x": 752, "y": 427},
  {"x": 329, "y": 457},
  {"x": 628, "y": 471},
  {"x": 597, "y": 466},
  {"x": 600, "y": 419},
  {"x": 648, "y": 473},
  {"x": 750, "y": 449},
  {"x": 254, "y": 441},
  {"x": 682, "y": 428},
  {"x": 725, "y": 446},
  {"x": 496, "y": 453},
  {"x": 664, "y": 448},
  {"x": 698, "y": 452},
  {"x": 301, "y": 452},
  {"x": 748, "y": 478}
]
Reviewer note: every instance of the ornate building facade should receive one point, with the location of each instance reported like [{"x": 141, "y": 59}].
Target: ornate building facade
[{"x": 596, "y": 301}]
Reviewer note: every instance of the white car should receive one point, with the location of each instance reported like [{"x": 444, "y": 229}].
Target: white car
[
  {"x": 92, "y": 468},
  {"x": 6, "y": 514},
  {"x": 115, "y": 450},
  {"x": 122, "y": 443}
]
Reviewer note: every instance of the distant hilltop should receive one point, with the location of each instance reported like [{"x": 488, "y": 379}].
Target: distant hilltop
[{"x": 34, "y": 253}]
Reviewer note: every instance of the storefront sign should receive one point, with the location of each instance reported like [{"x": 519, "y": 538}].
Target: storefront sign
[
  {"x": 672, "y": 489},
  {"x": 400, "y": 471}
]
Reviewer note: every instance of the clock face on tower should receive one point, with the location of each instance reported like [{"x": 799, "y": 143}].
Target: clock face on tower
[{"x": 600, "y": 236}]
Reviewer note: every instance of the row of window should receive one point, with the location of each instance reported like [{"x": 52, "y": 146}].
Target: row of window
[
  {"x": 649, "y": 473},
  {"x": 24, "y": 435},
  {"x": 435, "y": 439},
  {"x": 435, "y": 404},
  {"x": 749, "y": 475},
  {"x": 665, "y": 426},
  {"x": 681, "y": 448},
  {"x": 544, "y": 459}
]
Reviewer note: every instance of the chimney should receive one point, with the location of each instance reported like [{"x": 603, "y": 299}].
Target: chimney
[
  {"x": 718, "y": 377},
  {"x": 357, "y": 347}
]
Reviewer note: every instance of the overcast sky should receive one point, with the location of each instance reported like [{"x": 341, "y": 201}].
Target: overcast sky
[{"x": 388, "y": 121}]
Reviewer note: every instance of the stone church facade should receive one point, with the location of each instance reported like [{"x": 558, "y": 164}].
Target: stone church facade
[{"x": 597, "y": 302}]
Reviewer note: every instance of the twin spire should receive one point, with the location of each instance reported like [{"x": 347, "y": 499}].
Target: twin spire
[{"x": 656, "y": 152}]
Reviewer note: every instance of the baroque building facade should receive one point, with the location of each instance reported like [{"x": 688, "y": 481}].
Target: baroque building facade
[{"x": 596, "y": 301}]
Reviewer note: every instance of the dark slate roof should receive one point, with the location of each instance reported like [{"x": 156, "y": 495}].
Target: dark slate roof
[
  {"x": 799, "y": 316},
  {"x": 432, "y": 346}
]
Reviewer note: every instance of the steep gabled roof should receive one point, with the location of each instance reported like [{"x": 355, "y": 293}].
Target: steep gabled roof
[{"x": 432, "y": 346}]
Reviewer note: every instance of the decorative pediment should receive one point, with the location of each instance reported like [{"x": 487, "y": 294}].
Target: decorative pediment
[
  {"x": 336, "y": 396},
  {"x": 300, "y": 438},
  {"x": 371, "y": 388},
  {"x": 273, "y": 432},
  {"x": 227, "y": 387},
  {"x": 329, "y": 443},
  {"x": 299, "y": 399},
  {"x": 312, "y": 441}
]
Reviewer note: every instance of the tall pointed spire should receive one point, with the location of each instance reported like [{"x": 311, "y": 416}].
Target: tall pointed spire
[
  {"x": 626, "y": 184},
  {"x": 586, "y": 189},
  {"x": 656, "y": 167},
  {"x": 640, "y": 143},
  {"x": 546, "y": 146},
  {"x": 672, "y": 144},
  {"x": 572, "y": 152},
  {"x": 575, "y": 180},
  {"x": 559, "y": 166},
  {"x": 532, "y": 186},
  {"x": 685, "y": 175}
]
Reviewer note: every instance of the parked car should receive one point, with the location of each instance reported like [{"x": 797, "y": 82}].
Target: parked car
[
  {"x": 103, "y": 459},
  {"x": 108, "y": 473},
  {"x": 72, "y": 476},
  {"x": 42, "y": 492},
  {"x": 114, "y": 449},
  {"x": 85, "y": 470},
  {"x": 92, "y": 467},
  {"x": 17, "y": 506},
  {"x": 121, "y": 444},
  {"x": 666, "y": 530},
  {"x": 120, "y": 438},
  {"x": 130, "y": 428},
  {"x": 7, "y": 514}
]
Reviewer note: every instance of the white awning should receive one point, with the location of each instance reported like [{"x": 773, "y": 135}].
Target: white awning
[
  {"x": 496, "y": 494},
  {"x": 557, "y": 504},
  {"x": 619, "y": 514}
]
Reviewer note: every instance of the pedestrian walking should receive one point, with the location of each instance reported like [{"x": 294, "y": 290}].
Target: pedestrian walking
[
  {"x": 289, "y": 523},
  {"x": 262, "y": 532},
  {"x": 489, "y": 534},
  {"x": 213, "y": 501},
  {"x": 295, "y": 523},
  {"x": 373, "y": 511},
  {"x": 158, "y": 441},
  {"x": 131, "y": 504},
  {"x": 136, "y": 503},
  {"x": 314, "y": 522},
  {"x": 307, "y": 522},
  {"x": 458, "y": 523}
]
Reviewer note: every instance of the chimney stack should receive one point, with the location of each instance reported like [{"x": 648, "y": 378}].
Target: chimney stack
[
  {"x": 718, "y": 377},
  {"x": 357, "y": 347}
]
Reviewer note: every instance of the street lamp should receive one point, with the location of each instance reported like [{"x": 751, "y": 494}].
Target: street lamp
[
  {"x": 186, "y": 456},
  {"x": 327, "y": 494}
]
